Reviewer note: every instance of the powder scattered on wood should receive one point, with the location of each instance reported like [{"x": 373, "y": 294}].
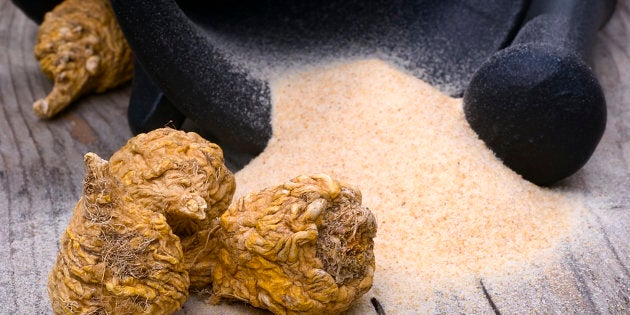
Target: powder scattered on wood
[{"x": 448, "y": 211}]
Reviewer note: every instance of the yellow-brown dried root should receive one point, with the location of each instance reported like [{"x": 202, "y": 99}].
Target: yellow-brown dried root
[
  {"x": 116, "y": 257},
  {"x": 303, "y": 247},
  {"x": 200, "y": 255},
  {"x": 81, "y": 47},
  {"x": 182, "y": 176},
  {"x": 178, "y": 174}
]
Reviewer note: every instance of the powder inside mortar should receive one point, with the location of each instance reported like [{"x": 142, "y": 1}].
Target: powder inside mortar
[{"x": 448, "y": 211}]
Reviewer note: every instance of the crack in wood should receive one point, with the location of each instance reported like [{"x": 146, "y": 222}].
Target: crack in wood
[
  {"x": 610, "y": 246},
  {"x": 580, "y": 283}
]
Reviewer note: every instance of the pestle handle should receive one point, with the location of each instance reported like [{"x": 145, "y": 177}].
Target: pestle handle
[
  {"x": 567, "y": 24},
  {"x": 537, "y": 104}
]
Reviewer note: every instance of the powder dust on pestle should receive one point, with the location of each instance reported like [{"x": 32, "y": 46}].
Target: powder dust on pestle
[{"x": 448, "y": 211}]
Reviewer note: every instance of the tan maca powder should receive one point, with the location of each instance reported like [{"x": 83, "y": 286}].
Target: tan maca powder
[{"x": 449, "y": 213}]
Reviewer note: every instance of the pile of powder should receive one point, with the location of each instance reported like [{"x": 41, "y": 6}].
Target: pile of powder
[{"x": 448, "y": 211}]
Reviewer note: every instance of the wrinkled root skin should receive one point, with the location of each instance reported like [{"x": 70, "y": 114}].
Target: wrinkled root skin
[
  {"x": 178, "y": 174},
  {"x": 182, "y": 176},
  {"x": 146, "y": 220},
  {"x": 115, "y": 257},
  {"x": 272, "y": 252},
  {"x": 81, "y": 47},
  {"x": 200, "y": 254}
]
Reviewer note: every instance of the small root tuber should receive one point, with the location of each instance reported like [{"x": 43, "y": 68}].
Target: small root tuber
[
  {"x": 182, "y": 176},
  {"x": 116, "y": 257},
  {"x": 302, "y": 247},
  {"x": 81, "y": 47},
  {"x": 142, "y": 225},
  {"x": 178, "y": 174}
]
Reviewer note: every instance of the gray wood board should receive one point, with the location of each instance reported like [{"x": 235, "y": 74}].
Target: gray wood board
[{"x": 41, "y": 170}]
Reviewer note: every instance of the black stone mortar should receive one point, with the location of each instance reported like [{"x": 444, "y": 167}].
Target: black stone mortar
[
  {"x": 211, "y": 63},
  {"x": 206, "y": 67}
]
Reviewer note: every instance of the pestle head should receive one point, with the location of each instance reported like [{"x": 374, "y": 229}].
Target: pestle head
[{"x": 539, "y": 108}]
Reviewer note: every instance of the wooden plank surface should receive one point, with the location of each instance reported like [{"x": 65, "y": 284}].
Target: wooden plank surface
[{"x": 41, "y": 168}]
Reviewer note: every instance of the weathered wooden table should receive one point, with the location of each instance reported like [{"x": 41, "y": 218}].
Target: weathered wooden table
[{"x": 41, "y": 170}]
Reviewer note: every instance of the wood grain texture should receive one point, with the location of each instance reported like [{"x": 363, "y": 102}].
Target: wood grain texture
[
  {"x": 41, "y": 170},
  {"x": 40, "y": 164}
]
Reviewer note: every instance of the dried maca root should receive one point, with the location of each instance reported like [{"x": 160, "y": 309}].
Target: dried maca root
[
  {"x": 200, "y": 252},
  {"x": 143, "y": 224},
  {"x": 116, "y": 257},
  {"x": 178, "y": 174},
  {"x": 81, "y": 47},
  {"x": 182, "y": 176},
  {"x": 302, "y": 247}
]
